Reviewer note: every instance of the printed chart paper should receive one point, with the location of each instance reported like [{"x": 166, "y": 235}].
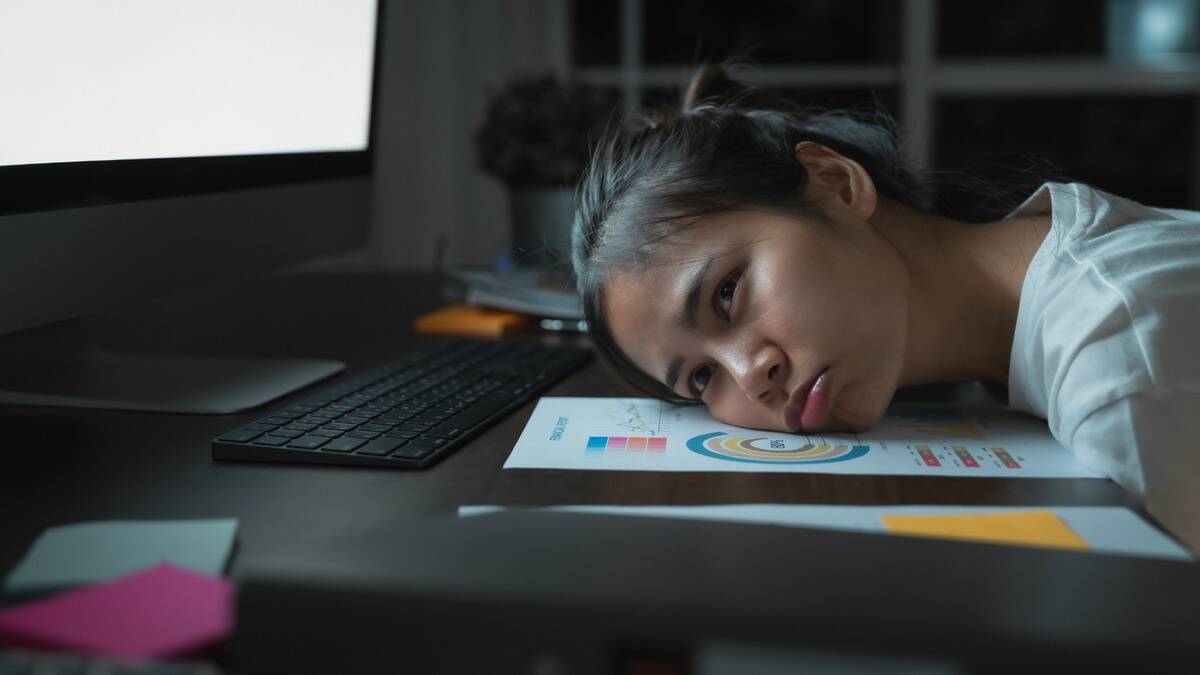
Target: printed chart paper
[
  {"x": 633, "y": 434},
  {"x": 1106, "y": 529},
  {"x": 1031, "y": 528}
]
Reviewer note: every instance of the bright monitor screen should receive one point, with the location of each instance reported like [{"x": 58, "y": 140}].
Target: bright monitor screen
[{"x": 95, "y": 80}]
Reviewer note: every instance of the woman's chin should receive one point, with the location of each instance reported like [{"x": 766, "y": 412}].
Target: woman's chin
[{"x": 854, "y": 415}]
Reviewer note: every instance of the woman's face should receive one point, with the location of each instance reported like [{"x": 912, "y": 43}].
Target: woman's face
[{"x": 773, "y": 321}]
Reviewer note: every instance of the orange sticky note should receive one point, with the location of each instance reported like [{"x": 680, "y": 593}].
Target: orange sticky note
[
  {"x": 1029, "y": 528},
  {"x": 477, "y": 321}
]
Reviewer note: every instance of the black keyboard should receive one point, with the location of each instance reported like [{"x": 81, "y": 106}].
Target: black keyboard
[{"x": 406, "y": 414}]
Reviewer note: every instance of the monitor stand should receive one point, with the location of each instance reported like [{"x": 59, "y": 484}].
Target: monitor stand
[{"x": 78, "y": 375}]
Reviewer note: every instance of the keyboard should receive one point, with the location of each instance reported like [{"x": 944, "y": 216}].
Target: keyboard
[{"x": 406, "y": 414}]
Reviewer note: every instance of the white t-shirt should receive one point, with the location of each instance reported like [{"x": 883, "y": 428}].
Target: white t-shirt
[{"x": 1107, "y": 339}]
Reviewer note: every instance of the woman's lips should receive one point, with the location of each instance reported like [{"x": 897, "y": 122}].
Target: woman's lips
[{"x": 808, "y": 404}]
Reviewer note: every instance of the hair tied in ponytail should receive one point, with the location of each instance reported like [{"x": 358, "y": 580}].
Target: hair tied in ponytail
[{"x": 712, "y": 85}]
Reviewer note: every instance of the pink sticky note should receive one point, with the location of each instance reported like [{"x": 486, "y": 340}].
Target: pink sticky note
[{"x": 159, "y": 612}]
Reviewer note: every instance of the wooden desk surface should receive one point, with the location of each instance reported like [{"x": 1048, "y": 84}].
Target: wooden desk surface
[{"x": 62, "y": 466}]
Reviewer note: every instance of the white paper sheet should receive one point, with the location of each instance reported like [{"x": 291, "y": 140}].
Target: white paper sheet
[
  {"x": 1106, "y": 529},
  {"x": 627, "y": 434}
]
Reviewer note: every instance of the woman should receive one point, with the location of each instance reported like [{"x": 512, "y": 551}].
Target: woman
[{"x": 783, "y": 269}]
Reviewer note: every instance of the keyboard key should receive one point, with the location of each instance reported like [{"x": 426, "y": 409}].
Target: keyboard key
[
  {"x": 412, "y": 451},
  {"x": 241, "y": 435},
  {"x": 302, "y": 409},
  {"x": 344, "y": 444},
  {"x": 381, "y": 447},
  {"x": 446, "y": 432},
  {"x": 479, "y": 411},
  {"x": 411, "y": 410},
  {"x": 272, "y": 440},
  {"x": 308, "y": 442}
]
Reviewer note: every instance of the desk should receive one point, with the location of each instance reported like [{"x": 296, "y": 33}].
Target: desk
[{"x": 63, "y": 465}]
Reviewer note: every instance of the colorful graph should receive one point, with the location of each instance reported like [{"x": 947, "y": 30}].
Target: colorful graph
[
  {"x": 965, "y": 456},
  {"x": 1005, "y": 458},
  {"x": 639, "y": 418},
  {"x": 927, "y": 456},
  {"x": 598, "y": 444},
  {"x": 768, "y": 450},
  {"x": 935, "y": 422}
]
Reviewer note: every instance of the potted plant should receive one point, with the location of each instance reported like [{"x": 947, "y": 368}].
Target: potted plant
[{"x": 535, "y": 137}]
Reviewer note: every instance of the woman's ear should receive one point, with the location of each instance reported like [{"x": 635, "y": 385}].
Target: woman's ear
[{"x": 836, "y": 182}]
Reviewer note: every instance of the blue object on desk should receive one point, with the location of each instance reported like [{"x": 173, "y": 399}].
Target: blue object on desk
[{"x": 85, "y": 553}]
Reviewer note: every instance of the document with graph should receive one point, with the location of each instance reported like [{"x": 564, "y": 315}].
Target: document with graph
[{"x": 635, "y": 434}]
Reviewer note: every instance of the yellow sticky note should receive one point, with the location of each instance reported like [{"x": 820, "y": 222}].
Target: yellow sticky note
[
  {"x": 1030, "y": 528},
  {"x": 476, "y": 321}
]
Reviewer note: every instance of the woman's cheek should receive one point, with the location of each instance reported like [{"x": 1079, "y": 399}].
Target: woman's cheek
[
  {"x": 722, "y": 406},
  {"x": 735, "y": 409}
]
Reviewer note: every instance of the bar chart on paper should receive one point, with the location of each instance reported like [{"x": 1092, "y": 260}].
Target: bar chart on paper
[{"x": 632, "y": 434}]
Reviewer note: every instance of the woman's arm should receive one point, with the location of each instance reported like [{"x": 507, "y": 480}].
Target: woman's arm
[{"x": 1149, "y": 442}]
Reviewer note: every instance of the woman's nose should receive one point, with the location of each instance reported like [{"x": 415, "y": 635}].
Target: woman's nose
[{"x": 761, "y": 371}]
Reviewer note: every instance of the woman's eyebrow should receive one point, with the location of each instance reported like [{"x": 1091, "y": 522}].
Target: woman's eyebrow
[
  {"x": 688, "y": 316},
  {"x": 691, "y": 299},
  {"x": 673, "y": 372}
]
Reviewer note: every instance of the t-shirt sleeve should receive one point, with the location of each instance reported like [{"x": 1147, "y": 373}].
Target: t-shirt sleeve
[
  {"x": 1149, "y": 442},
  {"x": 1104, "y": 441}
]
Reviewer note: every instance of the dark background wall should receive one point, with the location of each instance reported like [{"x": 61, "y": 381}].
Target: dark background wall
[{"x": 1105, "y": 91}]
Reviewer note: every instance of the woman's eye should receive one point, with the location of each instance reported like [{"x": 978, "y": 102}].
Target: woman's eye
[
  {"x": 700, "y": 377},
  {"x": 725, "y": 294}
]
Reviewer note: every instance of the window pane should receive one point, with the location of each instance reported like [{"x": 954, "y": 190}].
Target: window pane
[
  {"x": 1149, "y": 30},
  {"x": 772, "y": 31},
  {"x": 595, "y": 32},
  {"x": 1135, "y": 147},
  {"x": 1020, "y": 27}
]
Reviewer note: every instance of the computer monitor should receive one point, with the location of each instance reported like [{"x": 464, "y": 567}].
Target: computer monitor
[{"x": 147, "y": 147}]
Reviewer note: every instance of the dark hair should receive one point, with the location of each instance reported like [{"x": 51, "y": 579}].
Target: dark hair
[{"x": 729, "y": 146}]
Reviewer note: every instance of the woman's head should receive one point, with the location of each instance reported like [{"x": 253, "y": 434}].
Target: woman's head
[{"x": 727, "y": 254}]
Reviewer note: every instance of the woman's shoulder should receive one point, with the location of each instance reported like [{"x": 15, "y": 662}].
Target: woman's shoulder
[
  {"x": 1090, "y": 224},
  {"x": 1109, "y": 305},
  {"x": 1115, "y": 254}
]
